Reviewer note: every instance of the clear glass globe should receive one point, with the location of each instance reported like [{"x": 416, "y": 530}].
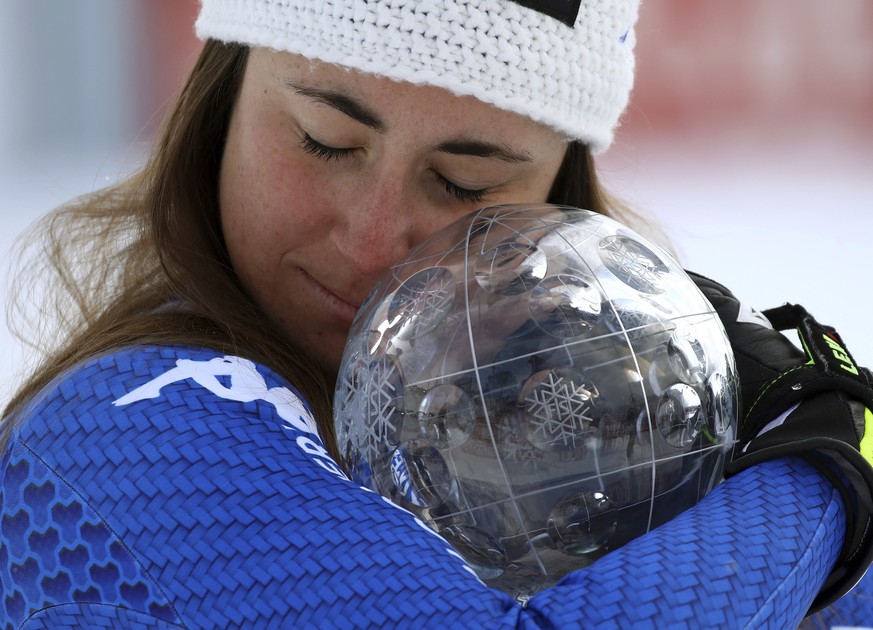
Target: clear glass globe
[{"x": 540, "y": 385}]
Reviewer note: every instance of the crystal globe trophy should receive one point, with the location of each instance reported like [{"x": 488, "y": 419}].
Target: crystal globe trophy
[{"x": 540, "y": 385}]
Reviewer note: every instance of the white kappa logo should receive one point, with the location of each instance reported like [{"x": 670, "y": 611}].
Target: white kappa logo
[{"x": 246, "y": 385}]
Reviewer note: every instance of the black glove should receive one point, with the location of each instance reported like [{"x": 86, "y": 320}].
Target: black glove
[{"x": 814, "y": 403}]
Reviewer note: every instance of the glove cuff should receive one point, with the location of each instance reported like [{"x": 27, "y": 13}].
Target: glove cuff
[{"x": 842, "y": 463}]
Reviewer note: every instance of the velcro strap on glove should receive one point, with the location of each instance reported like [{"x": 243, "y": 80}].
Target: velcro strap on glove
[{"x": 829, "y": 367}]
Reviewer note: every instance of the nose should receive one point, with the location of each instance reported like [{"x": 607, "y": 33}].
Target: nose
[{"x": 378, "y": 226}]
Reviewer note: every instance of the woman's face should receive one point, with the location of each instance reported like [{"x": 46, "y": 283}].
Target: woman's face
[{"x": 330, "y": 176}]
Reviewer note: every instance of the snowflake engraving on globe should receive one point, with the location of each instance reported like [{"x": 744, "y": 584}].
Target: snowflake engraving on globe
[{"x": 540, "y": 385}]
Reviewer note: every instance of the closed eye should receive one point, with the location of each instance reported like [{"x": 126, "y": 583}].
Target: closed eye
[
  {"x": 327, "y": 153},
  {"x": 324, "y": 152},
  {"x": 466, "y": 195}
]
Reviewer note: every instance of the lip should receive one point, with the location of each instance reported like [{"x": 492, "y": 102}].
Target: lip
[{"x": 331, "y": 301}]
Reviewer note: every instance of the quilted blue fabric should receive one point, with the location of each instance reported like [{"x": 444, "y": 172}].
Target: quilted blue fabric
[{"x": 171, "y": 487}]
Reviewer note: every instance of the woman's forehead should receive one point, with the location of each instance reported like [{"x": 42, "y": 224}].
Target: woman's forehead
[{"x": 390, "y": 99}]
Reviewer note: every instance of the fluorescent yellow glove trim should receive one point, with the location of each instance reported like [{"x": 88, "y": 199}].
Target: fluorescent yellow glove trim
[{"x": 867, "y": 440}]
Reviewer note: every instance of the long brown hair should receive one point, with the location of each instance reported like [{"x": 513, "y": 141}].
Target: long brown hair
[{"x": 116, "y": 258}]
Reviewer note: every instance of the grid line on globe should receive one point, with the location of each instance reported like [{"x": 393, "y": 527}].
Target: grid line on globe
[{"x": 540, "y": 385}]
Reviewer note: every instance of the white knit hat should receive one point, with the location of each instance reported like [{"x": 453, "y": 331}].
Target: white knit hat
[{"x": 521, "y": 56}]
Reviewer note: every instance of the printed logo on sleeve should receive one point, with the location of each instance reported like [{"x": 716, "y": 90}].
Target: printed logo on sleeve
[{"x": 246, "y": 384}]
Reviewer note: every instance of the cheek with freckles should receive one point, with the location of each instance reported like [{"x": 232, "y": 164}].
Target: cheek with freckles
[{"x": 269, "y": 206}]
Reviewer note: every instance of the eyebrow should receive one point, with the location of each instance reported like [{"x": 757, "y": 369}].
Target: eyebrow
[
  {"x": 348, "y": 106},
  {"x": 357, "y": 111},
  {"x": 480, "y": 148}
]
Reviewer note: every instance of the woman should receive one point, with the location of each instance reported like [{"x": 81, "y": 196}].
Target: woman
[{"x": 173, "y": 463}]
